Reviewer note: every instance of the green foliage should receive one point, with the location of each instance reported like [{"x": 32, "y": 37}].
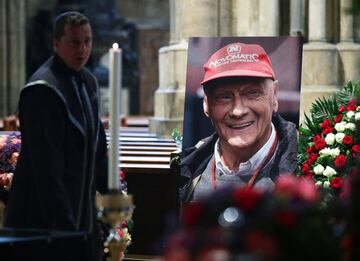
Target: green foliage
[{"x": 325, "y": 108}]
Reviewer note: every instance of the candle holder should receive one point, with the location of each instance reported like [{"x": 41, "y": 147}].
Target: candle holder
[{"x": 115, "y": 209}]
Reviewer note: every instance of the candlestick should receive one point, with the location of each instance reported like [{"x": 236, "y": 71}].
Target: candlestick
[{"x": 114, "y": 95}]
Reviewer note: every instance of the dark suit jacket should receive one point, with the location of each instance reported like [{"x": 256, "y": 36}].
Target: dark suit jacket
[{"x": 63, "y": 156}]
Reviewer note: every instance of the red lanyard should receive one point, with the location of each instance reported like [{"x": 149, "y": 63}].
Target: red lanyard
[{"x": 256, "y": 173}]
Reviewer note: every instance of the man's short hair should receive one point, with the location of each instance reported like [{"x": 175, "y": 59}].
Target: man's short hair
[{"x": 71, "y": 18}]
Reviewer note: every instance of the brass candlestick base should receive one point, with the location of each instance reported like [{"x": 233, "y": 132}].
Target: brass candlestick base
[{"x": 115, "y": 209}]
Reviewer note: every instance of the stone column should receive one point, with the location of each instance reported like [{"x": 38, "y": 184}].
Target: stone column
[
  {"x": 297, "y": 17},
  {"x": 256, "y": 17},
  {"x": 12, "y": 54},
  {"x": 349, "y": 52},
  {"x": 320, "y": 60},
  {"x": 188, "y": 18}
]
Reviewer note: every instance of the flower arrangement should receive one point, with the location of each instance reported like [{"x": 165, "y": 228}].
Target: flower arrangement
[
  {"x": 245, "y": 224},
  {"x": 10, "y": 145},
  {"x": 327, "y": 145}
]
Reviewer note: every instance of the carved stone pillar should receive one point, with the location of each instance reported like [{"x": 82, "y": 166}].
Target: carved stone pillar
[
  {"x": 320, "y": 60},
  {"x": 188, "y": 18},
  {"x": 349, "y": 52},
  {"x": 256, "y": 17},
  {"x": 12, "y": 54},
  {"x": 297, "y": 17}
]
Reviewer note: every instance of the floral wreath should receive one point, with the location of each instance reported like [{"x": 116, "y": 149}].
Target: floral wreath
[
  {"x": 10, "y": 145},
  {"x": 327, "y": 145}
]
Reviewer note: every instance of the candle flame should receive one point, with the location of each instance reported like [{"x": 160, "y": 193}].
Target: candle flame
[{"x": 115, "y": 46}]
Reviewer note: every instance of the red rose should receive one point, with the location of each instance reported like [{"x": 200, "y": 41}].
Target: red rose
[
  {"x": 309, "y": 149},
  {"x": 326, "y": 123},
  {"x": 246, "y": 198},
  {"x": 347, "y": 140},
  {"x": 336, "y": 183},
  {"x": 355, "y": 150},
  {"x": 305, "y": 167},
  {"x": 327, "y": 130},
  {"x": 338, "y": 118},
  {"x": 351, "y": 107},
  {"x": 340, "y": 161},
  {"x": 312, "y": 158},
  {"x": 122, "y": 175},
  {"x": 341, "y": 109},
  {"x": 320, "y": 144},
  {"x": 317, "y": 137}
]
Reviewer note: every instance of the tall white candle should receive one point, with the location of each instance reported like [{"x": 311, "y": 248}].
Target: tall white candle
[{"x": 114, "y": 111}]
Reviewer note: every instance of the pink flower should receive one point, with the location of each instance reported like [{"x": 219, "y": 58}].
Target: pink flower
[
  {"x": 16, "y": 141},
  {"x": 294, "y": 187}
]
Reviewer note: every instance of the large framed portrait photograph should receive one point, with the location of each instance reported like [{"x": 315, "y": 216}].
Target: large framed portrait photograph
[{"x": 285, "y": 54}]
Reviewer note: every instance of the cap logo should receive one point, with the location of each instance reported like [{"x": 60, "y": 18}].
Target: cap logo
[
  {"x": 234, "y": 49},
  {"x": 233, "y": 54}
]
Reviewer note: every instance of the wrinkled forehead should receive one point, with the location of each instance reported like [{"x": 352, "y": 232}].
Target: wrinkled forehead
[{"x": 237, "y": 82}]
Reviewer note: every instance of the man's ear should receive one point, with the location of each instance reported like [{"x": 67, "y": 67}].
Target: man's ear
[
  {"x": 275, "y": 95},
  {"x": 206, "y": 106}
]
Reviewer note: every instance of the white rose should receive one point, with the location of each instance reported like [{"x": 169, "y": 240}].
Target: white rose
[
  {"x": 350, "y": 126},
  {"x": 318, "y": 183},
  {"x": 325, "y": 152},
  {"x": 340, "y": 127},
  {"x": 330, "y": 152},
  {"x": 330, "y": 139},
  {"x": 326, "y": 184},
  {"x": 335, "y": 152},
  {"x": 358, "y": 108},
  {"x": 339, "y": 137},
  {"x": 318, "y": 169},
  {"x": 350, "y": 114},
  {"x": 329, "y": 172},
  {"x": 357, "y": 115}
]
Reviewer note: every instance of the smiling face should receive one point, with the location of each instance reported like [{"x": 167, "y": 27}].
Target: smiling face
[
  {"x": 74, "y": 46},
  {"x": 241, "y": 112}
]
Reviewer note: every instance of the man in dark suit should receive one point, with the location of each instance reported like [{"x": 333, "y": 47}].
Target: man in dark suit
[{"x": 63, "y": 158}]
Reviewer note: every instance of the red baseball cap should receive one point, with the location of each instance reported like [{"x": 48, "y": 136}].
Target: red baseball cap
[{"x": 238, "y": 59}]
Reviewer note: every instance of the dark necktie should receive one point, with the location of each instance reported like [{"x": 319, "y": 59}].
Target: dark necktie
[{"x": 85, "y": 105}]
